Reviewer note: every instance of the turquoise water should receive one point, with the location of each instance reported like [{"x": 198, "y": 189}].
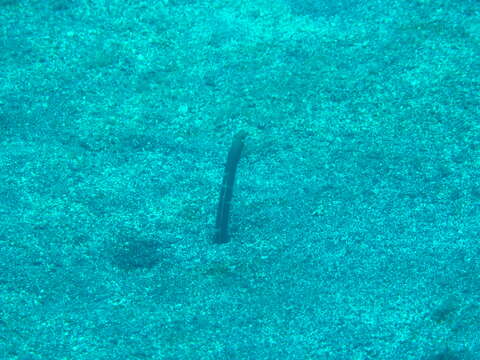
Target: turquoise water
[{"x": 354, "y": 223}]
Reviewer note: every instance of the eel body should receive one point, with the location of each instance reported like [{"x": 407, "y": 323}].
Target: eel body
[{"x": 226, "y": 192}]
